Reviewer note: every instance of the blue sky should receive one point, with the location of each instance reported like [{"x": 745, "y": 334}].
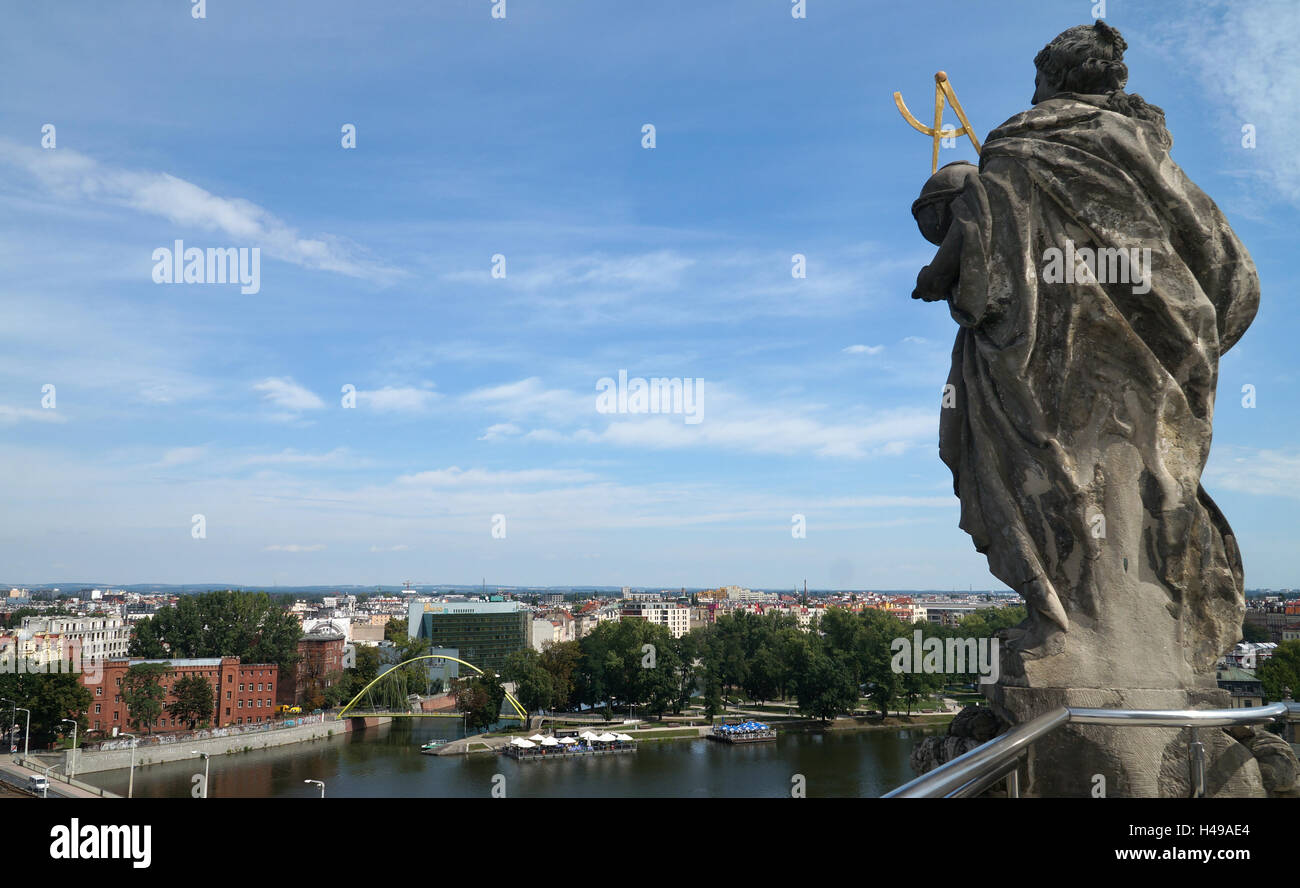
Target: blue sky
[{"x": 476, "y": 396}]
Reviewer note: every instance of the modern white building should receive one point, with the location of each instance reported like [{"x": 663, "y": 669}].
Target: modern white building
[{"x": 677, "y": 617}]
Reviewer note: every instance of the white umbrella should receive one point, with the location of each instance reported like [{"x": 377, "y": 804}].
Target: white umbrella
[
  {"x": 606, "y": 738},
  {"x": 525, "y": 744},
  {"x": 568, "y": 740},
  {"x": 550, "y": 741},
  {"x": 516, "y": 741},
  {"x": 588, "y": 735},
  {"x": 537, "y": 738},
  {"x": 622, "y": 737}
]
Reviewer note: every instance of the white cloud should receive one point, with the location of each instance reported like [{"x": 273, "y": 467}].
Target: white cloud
[
  {"x": 772, "y": 430},
  {"x": 294, "y": 547},
  {"x": 733, "y": 420},
  {"x": 10, "y": 415},
  {"x": 863, "y": 349},
  {"x": 659, "y": 270},
  {"x": 397, "y": 548},
  {"x": 284, "y": 392},
  {"x": 1258, "y": 472},
  {"x": 290, "y": 456},
  {"x": 530, "y": 399},
  {"x": 181, "y": 455},
  {"x": 499, "y": 431},
  {"x": 75, "y": 177},
  {"x": 454, "y": 476},
  {"x": 397, "y": 400}
]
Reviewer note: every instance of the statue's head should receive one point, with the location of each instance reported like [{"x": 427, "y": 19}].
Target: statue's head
[
  {"x": 1086, "y": 59},
  {"x": 931, "y": 210}
]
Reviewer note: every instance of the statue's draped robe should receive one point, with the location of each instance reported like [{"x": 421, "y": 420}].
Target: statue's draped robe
[{"x": 1050, "y": 378}]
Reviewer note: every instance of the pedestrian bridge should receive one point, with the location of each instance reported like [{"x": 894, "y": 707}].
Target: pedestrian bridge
[{"x": 386, "y": 696}]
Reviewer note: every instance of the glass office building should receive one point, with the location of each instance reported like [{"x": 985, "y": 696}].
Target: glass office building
[{"x": 485, "y": 632}]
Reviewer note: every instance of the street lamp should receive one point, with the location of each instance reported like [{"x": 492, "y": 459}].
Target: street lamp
[
  {"x": 130, "y": 783},
  {"x": 205, "y": 770},
  {"x": 319, "y": 783},
  {"x": 72, "y": 770},
  {"x": 27, "y": 734},
  {"x": 45, "y": 790}
]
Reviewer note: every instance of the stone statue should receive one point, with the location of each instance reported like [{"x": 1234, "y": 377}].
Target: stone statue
[{"x": 1095, "y": 287}]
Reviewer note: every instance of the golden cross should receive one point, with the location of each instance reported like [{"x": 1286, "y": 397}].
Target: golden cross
[{"x": 942, "y": 88}]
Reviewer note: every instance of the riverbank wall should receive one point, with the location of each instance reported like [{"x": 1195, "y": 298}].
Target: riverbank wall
[{"x": 89, "y": 762}]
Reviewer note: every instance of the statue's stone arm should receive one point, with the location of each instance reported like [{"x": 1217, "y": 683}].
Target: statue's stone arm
[{"x": 936, "y": 280}]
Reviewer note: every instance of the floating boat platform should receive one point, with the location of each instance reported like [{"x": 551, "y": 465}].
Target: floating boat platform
[
  {"x": 530, "y": 755},
  {"x": 745, "y": 732}
]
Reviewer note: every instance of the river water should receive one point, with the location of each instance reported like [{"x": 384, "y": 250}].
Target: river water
[{"x": 385, "y": 762}]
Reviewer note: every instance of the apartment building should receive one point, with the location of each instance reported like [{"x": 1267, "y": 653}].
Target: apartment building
[
  {"x": 677, "y": 617},
  {"x": 97, "y": 638}
]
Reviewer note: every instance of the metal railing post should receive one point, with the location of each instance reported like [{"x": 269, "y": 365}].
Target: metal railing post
[{"x": 1198, "y": 767}]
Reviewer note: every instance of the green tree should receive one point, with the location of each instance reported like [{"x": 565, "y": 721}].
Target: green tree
[
  {"x": 873, "y": 658},
  {"x": 985, "y": 622},
  {"x": 826, "y": 687},
  {"x": 51, "y": 697},
  {"x": 688, "y": 663},
  {"x": 1281, "y": 671},
  {"x": 1254, "y": 632},
  {"x": 534, "y": 687},
  {"x": 661, "y": 686},
  {"x": 365, "y": 670},
  {"x": 193, "y": 701},
  {"x": 143, "y": 693},
  {"x": 474, "y": 699},
  {"x": 919, "y": 685},
  {"x": 561, "y": 660},
  {"x": 248, "y": 625}
]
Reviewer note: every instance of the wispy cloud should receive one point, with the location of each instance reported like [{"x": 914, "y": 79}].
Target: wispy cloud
[
  {"x": 71, "y": 176},
  {"x": 285, "y": 393},
  {"x": 11, "y": 415},
  {"x": 1243, "y": 54},
  {"x": 454, "y": 476},
  {"x": 1260, "y": 472},
  {"x": 397, "y": 400},
  {"x": 734, "y": 419},
  {"x": 178, "y": 456},
  {"x": 289, "y": 456}
]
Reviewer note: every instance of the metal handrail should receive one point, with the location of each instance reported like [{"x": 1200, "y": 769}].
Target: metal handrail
[{"x": 975, "y": 771}]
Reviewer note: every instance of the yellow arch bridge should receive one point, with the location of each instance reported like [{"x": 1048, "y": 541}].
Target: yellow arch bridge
[{"x": 387, "y": 706}]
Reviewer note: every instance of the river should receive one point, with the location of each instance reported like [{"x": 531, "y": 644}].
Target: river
[{"x": 385, "y": 762}]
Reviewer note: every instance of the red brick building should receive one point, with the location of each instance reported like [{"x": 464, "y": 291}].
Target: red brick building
[
  {"x": 243, "y": 693},
  {"x": 320, "y": 663}
]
